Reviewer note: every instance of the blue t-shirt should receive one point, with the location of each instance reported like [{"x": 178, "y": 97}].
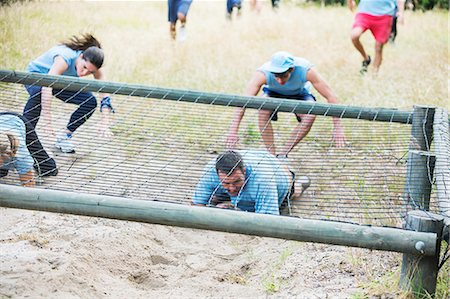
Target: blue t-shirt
[
  {"x": 266, "y": 185},
  {"x": 297, "y": 83},
  {"x": 23, "y": 162},
  {"x": 378, "y": 7},
  {"x": 43, "y": 63}
]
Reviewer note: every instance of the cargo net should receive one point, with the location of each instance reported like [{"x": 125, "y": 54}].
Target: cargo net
[{"x": 160, "y": 149}]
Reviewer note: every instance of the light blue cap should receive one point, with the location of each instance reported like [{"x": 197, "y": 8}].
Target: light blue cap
[{"x": 281, "y": 62}]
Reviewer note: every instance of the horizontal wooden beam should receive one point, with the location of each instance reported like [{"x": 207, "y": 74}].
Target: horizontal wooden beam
[
  {"x": 282, "y": 105},
  {"x": 291, "y": 228}
]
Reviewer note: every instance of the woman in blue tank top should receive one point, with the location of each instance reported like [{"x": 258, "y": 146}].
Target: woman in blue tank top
[{"x": 77, "y": 57}]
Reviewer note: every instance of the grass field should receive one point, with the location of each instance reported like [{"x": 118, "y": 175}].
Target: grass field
[{"x": 220, "y": 56}]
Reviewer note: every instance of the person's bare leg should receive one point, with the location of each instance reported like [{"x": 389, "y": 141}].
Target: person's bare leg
[
  {"x": 355, "y": 36},
  {"x": 378, "y": 56},
  {"x": 299, "y": 132},
  {"x": 182, "y": 19},
  {"x": 266, "y": 129},
  {"x": 173, "y": 31}
]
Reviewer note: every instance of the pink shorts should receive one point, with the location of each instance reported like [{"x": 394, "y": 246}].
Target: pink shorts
[{"x": 380, "y": 26}]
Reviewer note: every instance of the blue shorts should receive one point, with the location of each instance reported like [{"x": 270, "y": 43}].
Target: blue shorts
[
  {"x": 300, "y": 97},
  {"x": 178, "y": 6}
]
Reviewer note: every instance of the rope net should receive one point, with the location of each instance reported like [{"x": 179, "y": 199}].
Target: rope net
[{"x": 160, "y": 148}]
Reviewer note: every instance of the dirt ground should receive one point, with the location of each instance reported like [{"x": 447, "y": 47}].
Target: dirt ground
[{"x": 46, "y": 255}]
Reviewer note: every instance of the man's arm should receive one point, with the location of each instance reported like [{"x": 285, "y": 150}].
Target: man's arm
[
  {"x": 205, "y": 187},
  {"x": 325, "y": 90},
  {"x": 267, "y": 196},
  {"x": 253, "y": 87},
  {"x": 106, "y": 110}
]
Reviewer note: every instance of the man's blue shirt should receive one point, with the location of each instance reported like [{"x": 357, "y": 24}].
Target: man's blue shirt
[{"x": 267, "y": 184}]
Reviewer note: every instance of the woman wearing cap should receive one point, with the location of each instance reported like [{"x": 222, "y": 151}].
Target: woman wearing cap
[
  {"x": 77, "y": 57},
  {"x": 286, "y": 76}
]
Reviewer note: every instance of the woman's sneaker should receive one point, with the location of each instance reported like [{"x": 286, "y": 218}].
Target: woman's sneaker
[{"x": 64, "y": 144}]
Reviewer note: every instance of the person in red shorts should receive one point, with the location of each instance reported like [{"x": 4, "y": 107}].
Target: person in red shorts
[{"x": 376, "y": 16}]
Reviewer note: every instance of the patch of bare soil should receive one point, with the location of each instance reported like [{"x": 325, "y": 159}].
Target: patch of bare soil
[{"x": 45, "y": 255}]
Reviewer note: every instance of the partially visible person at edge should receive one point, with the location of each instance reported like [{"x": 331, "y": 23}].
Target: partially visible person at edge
[
  {"x": 377, "y": 16},
  {"x": 252, "y": 181},
  {"x": 393, "y": 35},
  {"x": 233, "y": 5},
  {"x": 286, "y": 76},
  {"x": 77, "y": 57},
  {"x": 13, "y": 150},
  {"x": 178, "y": 10},
  {"x": 43, "y": 163}
]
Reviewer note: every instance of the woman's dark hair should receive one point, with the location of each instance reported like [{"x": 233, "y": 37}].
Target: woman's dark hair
[
  {"x": 91, "y": 47},
  {"x": 229, "y": 161}
]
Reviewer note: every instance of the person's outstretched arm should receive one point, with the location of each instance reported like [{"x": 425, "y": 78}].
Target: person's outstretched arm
[
  {"x": 106, "y": 109},
  {"x": 27, "y": 179},
  {"x": 325, "y": 90},
  {"x": 253, "y": 87}
]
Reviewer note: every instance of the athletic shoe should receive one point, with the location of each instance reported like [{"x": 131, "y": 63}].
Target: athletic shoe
[
  {"x": 64, "y": 144},
  {"x": 303, "y": 181},
  {"x": 182, "y": 34},
  {"x": 365, "y": 66}
]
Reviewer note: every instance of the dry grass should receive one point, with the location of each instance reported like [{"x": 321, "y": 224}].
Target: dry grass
[{"x": 220, "y": 56}]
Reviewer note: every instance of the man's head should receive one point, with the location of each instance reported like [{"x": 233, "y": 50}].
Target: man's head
[
  {"x": 231, "y": 171},
  {"x": 281, "y": 65}
]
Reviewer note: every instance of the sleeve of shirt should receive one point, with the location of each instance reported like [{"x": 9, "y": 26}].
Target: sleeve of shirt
[
  {"x": 267, "y": 198},
  {"x": 23, "y": 162},
  {"x": 205, "y": 187},
  {"x": 305, "y": 66}
]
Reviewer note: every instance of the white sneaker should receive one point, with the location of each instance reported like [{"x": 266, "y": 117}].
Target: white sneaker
[
  {"x": 182, "y": 34},
  {"x": 64, "y": 144},
  {"x": 303, "y": 181}
]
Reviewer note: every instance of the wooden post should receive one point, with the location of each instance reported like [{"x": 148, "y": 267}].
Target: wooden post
[
  {"x": 419, "y": 272},
  {"x": 421, "y": 163},
  {"x": 419, "y": 177}
]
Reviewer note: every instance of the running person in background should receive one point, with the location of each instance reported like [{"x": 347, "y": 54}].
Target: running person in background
[
  {"x": 231, "y": 4},
  {"x": 377, "y": 16},
  {"x": 253, "y": 181},
  {"x": 13, "y": 150},
  {"x": 178, "y": 10},
  {"x": 77, "y": 57},
  {"x": 286, "y": 76}
]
